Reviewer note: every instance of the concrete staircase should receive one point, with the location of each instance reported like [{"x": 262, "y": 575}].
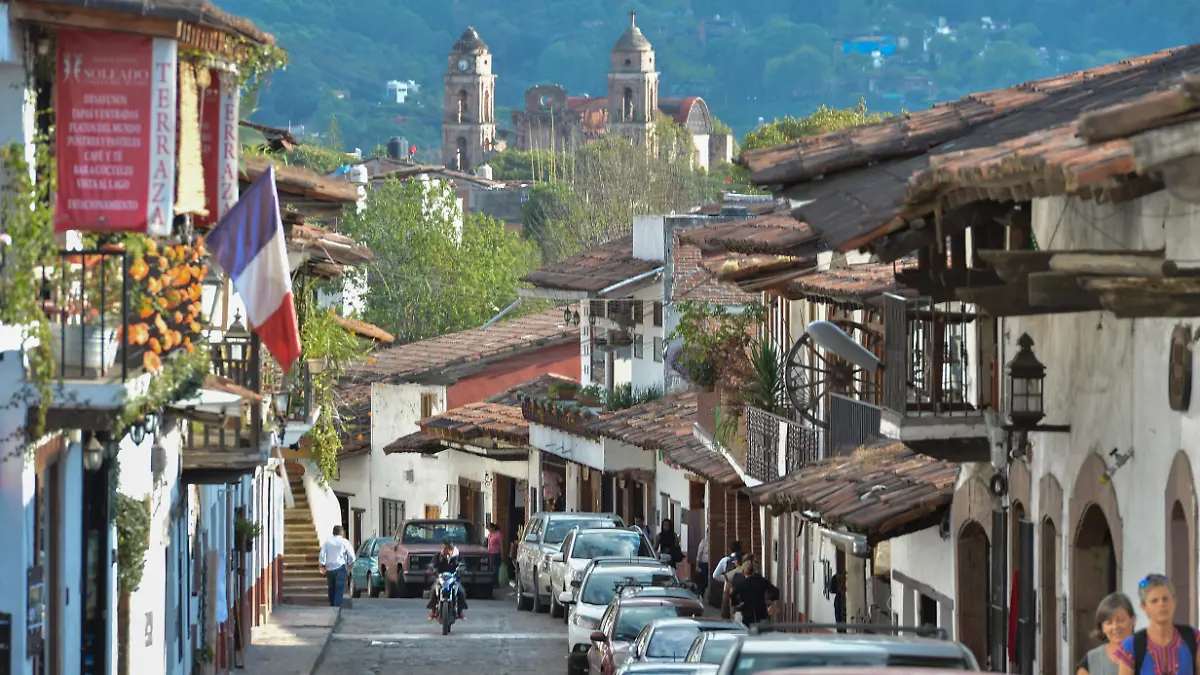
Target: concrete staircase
[{"x": 303, "y": 583}]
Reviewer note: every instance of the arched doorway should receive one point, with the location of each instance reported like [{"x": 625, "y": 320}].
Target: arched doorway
[
  {"x": 1049, "y": 592},
  {"x": 461, "y": 115},
  {"x": 973, "y": 588},
  {"x": 1179, "y": 566},
  {"x": 1093, "y": 576},
  {"x": 1181, "y": 538},
  {"x": 460, "y": 155}
]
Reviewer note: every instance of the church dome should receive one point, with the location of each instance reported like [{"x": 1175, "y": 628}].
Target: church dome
[
  {"x": 632, "y": 39},
  {"x": 470, "y": 42}
]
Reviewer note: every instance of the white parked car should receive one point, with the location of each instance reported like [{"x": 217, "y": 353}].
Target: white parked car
[
  {"x": 583, "y": 545},
  {"x": 596, "y": 590}
]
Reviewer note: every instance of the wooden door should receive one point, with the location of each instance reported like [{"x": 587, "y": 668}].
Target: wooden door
[{"x": 433, "y": 511}]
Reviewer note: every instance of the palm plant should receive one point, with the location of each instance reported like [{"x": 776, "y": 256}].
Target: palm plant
[{"x": 766, "y": 390}]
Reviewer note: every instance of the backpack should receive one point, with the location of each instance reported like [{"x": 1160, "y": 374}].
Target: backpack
[{"x": 1186, "y": 633}]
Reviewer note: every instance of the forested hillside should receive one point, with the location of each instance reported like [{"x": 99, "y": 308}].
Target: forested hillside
[{"x": 750, "y": 59}]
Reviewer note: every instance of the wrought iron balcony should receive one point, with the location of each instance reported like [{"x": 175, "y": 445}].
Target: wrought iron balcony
[
  {"x": 939, "y": 367},
  {"x": 770, "y": 438},
  {"x": 86, "y": 296}
]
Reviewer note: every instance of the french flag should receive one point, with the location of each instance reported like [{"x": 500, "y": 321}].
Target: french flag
[{"x": 249, "y": 244}]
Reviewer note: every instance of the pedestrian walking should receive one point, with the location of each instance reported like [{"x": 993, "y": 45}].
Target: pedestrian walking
[
  {"x": 1163, "y": 647},
  {"x": 753, "y": 595},
  {"x": 667, "y": 542},
  {"x": 1114, "y": 624},
  {"x": 494, "y": 544},
  {"x": 702, "y": 557},
  {"x": 640, "y": 523},
  {"x": 336, "y": 558},
  {"x": 729, "y": 562}
]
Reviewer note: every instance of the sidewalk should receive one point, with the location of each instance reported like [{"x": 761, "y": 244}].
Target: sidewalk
[{"x": 291, "y": 644}]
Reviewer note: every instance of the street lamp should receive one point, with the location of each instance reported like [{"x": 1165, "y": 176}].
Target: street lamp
[
  {"x": 1026, "y": 402},
  {"x": 238, "y": 338},
  {"x": 283, "y": 401},
  {"x": 93, "y": 454}
]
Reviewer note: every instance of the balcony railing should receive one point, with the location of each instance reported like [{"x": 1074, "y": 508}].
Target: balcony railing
[
  {"x": 86, "y": 296},
  {"x": 239, "y": 360},
  {"x": 771, "y": 437},
  {"x": 851, "y": 423},
  {"x": 932, "y": 351}
]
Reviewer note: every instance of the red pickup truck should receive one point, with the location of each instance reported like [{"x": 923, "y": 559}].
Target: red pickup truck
[{"x": 403, "y": 563}]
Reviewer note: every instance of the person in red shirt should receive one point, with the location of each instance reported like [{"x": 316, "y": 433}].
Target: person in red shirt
[{"x": 494, "y": 543}]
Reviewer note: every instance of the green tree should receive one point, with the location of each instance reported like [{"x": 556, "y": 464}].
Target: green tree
[
  {"x": 333, "y": 135},
  {"x": 429, "y": 278},
  {"x": 822, "y": 120}
]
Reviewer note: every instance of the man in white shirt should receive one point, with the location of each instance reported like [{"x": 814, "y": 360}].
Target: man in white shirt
[
  {"x": 336, "y": 558},
  {"x": 727, "y": 564},
  {"x": 702, "y": 559}
]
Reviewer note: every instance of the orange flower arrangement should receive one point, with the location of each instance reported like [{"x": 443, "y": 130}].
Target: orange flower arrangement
[{"x": 168, "y": 312}]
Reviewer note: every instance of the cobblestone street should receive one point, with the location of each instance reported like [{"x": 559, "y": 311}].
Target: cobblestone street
[{"x": 385, "y": 636}]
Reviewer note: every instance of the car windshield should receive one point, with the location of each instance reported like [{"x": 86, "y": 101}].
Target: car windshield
[
  {"x": 621, "y": 543},
  {"x": 631, "y": 620},
  {"x": 671, "y": 642},
  {"x": 558, "y": 528},
  {"x": 436, "y": 533},
  {"x": 714, "y": 650},
  {"x": 600, "y": 587},
  {"x": 757, "y": 663}
]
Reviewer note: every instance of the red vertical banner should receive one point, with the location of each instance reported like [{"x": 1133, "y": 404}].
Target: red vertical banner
[
  {"x": 115, "y": 123},
  {"x": 219, "y": 144}
]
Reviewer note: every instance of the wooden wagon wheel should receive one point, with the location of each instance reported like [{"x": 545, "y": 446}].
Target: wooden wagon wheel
[{"x": 810, "y": 376}]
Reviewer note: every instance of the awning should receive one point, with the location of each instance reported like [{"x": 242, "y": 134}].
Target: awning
[
  {"x": 490, "y": 426},
  {"x": 416, "y": 442},
  {"x": 878, "y": 491}
]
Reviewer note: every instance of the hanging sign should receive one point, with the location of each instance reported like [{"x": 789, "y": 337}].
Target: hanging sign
[
  {"x": 219, "y": 144},
  {"x": 115, "y": 117}
]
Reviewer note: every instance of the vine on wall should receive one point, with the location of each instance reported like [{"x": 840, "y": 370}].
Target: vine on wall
[
  {"x": 323, "y": 339},
  {"x": 28, "y": 217}
]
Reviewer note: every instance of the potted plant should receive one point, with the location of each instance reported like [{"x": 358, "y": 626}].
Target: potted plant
[
  {"x": 563, "y": 391},
  {"x": 86, "y": 302},
  {"x": 244, "y": 534},
  {"x": 591, "y": 396}
]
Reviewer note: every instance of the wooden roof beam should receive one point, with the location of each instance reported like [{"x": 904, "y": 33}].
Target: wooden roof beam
[
  {"x": 1016, "y": 266},
  {"x": 1013, "y": 300}
]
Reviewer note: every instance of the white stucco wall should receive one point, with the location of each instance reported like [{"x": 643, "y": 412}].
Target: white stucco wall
[
  {"x": 928, "y": 559},
  {"x": 585, "y": 451},
  {"x": 675, "y": 484},
  {"x": 645, "y": 371},
  {"x": 1107, "y": 378},
  {"x": 701, "y": 143}
]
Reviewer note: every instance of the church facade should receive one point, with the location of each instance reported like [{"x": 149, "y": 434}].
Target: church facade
[{"x": 554, "y": 120}]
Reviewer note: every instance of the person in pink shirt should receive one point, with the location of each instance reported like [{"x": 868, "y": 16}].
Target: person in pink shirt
[{"x": 494, "y": 542}]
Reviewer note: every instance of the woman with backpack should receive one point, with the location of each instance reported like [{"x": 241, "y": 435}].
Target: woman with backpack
[
  {"x": 1114, "y": 624},
  {"x": 1163, "y": 647}
]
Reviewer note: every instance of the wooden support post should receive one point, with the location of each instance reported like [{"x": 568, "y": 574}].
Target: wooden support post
[
  {"x": 1131, "y": 264},
  {"x": 1058, "y": 289}
]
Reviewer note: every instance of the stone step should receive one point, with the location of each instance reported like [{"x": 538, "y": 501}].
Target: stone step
[
  {"x": 300, "y": 558},
  {"x": 307, "y": 599}
]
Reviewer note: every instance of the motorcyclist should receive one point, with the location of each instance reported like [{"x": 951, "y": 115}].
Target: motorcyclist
[{"x": 447, "y": 560}]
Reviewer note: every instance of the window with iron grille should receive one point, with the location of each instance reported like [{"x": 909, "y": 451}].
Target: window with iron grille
[
  {"x": 428, "y": 401},
  {"x": 658, "y": 349},
  {"x": 637, "y": 346},
  {"x": 637, "y": 310},
  {"x": 391, "y": 516},
  {"x": 597, "y": 308},
  {"x": 658, "y": 314}
]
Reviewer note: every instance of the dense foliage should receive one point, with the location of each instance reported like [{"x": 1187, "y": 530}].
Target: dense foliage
[
  {"x": 751, "y": 59},
  {"x": 429, "y": 278}
]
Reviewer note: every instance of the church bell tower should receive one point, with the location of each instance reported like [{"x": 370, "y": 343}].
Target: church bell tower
[
  {"x": 632, "y": 86},
  {"x": 469, "y": 122}
]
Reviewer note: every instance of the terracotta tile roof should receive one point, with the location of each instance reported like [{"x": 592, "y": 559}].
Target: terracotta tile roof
[
  {"x": 456, "y": 355},
  {"x": 538, "y": 387},
  {"x": 417, "y": 442},
  {"x": 652, "y": 424},
  {"x": 296, "y": 180},
  {"x": 353, "y": 421},
  {"x": 324, "y": 246},
  {"x": 1089, "y": 156},
  {"x": 198, "y": 12},
  {"x": 494, "y": 420},
  {"x": 757, "y": 272},
  {"x": 694, "y": 282},
  {"x": 849, "y": 284},
  {"x": 696, "y": 457},
  {"x": 363, "y": 329},
  {"x": 776, "y": 232},
  {"x": 864, "y": 190},
  {"x": 879, "y": 491},
  {"x": 594, "y": 270}
]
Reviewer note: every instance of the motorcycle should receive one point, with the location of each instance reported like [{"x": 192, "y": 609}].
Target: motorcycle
[{"x": 448, "y": 598}]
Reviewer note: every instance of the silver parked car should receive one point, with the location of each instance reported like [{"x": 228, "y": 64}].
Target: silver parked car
[
  {"x": 544, "y": 535},
  {"x": 582, "y": 546}
]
